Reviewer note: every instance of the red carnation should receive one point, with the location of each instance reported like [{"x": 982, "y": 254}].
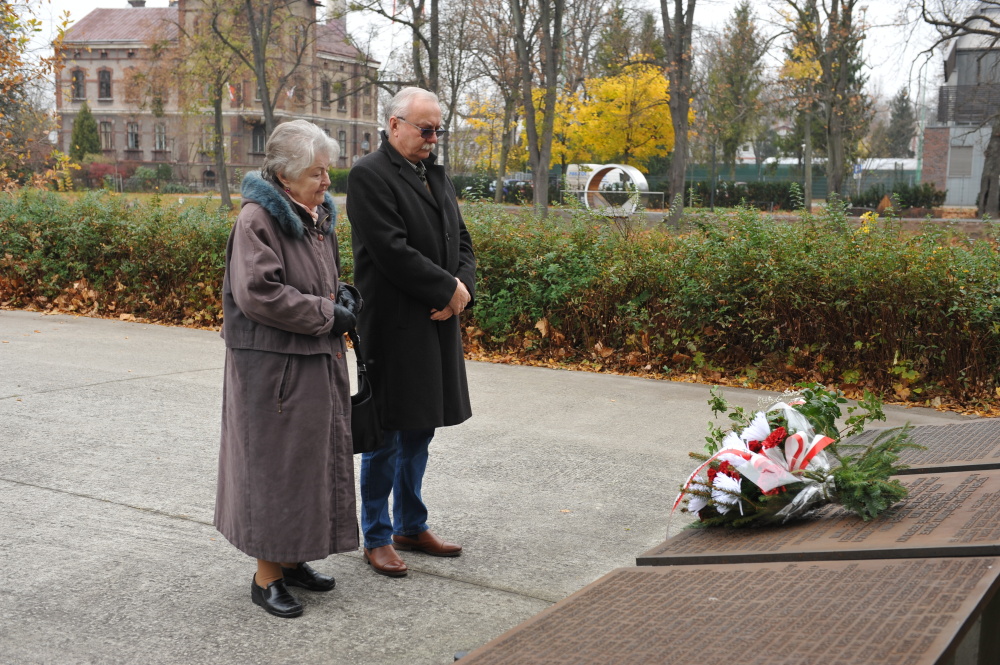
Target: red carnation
[
  {"x": 754, "y": 446},
  {"x": 712, "y": 473},
  {"x": 729, "y": 470},
  {"x": 774, "y": 438},
  {"x": 775, "y": 491}
]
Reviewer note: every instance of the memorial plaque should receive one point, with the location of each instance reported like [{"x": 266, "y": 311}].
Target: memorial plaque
[
  {"x": 905, "y": 611},
  {"x": 946, "y": 514},
  {"x": 953, "y": 447}
]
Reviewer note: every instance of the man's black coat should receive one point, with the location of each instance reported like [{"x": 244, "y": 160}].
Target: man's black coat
[{"x": 409, "y": 246}]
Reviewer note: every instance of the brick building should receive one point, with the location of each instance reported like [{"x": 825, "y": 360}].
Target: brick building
[{"x": 118, "y": 61}]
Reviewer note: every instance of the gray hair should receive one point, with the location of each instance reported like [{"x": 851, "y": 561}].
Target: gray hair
[
  {"x": 292, "y": 148},
  {"x": 400, "y": 103}
]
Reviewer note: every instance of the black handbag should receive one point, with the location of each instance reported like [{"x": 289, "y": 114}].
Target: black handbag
[{"x": 366, "y": 428}]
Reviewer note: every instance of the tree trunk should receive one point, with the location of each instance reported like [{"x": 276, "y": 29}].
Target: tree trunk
[
  {"x": 677, "y": 45},
  {"x": 540, "y": 146},
  {"x": 834, "y": 152},
  {"x": 259, "y": 46},
  {"x": 807, "y": 162},
  {"x": 222, "y": 177},
  {"x": 505, "y": 140},
  {"x": 989, "y": 185}
]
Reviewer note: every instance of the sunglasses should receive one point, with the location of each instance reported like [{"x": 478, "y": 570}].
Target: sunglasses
[{"x": 425, "y": 133}]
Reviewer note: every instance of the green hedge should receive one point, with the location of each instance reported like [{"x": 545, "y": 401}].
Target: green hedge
[
  {"x": 914, "y": 317},
  {"x": 105, "y": 254},
  {"x": 903, "y": 196},
  {"x": 762, "y": 195},
  {"x": 739, "y": 295}
]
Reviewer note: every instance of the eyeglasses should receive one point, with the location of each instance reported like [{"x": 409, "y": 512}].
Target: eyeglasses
[{"x": 425, "y": 133}]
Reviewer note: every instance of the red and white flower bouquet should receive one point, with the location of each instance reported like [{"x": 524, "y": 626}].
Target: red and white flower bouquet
[{"x": 789, "y": 459}]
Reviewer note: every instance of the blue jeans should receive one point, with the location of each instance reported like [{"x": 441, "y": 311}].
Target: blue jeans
[{"x": 398, "y": 467}]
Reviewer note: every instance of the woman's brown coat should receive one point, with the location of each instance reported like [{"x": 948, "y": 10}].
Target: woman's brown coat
[{"x": 286, "y": 470}]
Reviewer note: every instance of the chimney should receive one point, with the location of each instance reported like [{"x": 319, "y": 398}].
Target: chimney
[{"x": 137, "y": 3}]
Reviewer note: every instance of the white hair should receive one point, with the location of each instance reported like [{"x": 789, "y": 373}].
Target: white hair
[
  {"x": 292, "y": 148},
  {"x": 399, "y": 105}
]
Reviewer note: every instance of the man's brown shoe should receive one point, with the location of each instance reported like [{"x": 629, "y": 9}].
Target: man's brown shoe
[
  {"x": 428, "y": 543},
  {"x": 385, "y": 561}
]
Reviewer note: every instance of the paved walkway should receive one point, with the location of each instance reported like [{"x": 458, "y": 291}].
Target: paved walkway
[{"x": 108, "y": 452}]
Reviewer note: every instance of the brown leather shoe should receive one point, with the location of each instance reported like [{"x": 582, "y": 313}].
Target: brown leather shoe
[
  {"x": 427, "y": 543},
  {"x": 385, "y": 561}
]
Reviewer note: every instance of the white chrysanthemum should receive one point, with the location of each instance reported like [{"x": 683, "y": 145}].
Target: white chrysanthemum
[
  {"x": 697, "y": 502},
  {"x": 725, "y": 492},
  {"x": 733, "y": 440},
  {"x": 757, "y": 430}
]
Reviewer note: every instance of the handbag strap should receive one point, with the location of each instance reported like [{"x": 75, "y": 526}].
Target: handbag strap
[{"x": 358, "y": 356}]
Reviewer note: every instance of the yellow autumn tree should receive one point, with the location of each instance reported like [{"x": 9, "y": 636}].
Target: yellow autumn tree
[
  {"x": 487, "y": 122},
  {"x": 626, "y": 118}
]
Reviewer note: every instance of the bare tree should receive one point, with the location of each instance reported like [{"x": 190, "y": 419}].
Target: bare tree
[
  {"x": 457, "y": 68},
  {"x": 549, "y": 28},
  {"x": 954, "y": 19},
  {"x": 282, "y": 33},
  {"x": 496, "y": 56},
  {"x": 201, "y": 59},
  {"x": 832, "y": 29},
  {"x": 678, "y": 26},
  {"x": 422, "y": 18}
]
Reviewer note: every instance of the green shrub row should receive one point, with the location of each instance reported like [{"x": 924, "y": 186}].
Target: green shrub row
[
  {"x": 762, "y": 195},
  {"x": 105, "y": 254},
  {"x": 738, "y": 295},
  {"x": 915, "y": 317},
  {"x": 903, "y": 196}
]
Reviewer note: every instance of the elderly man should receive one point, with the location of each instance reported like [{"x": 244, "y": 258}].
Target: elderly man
[{"x": 414, "y": 265}]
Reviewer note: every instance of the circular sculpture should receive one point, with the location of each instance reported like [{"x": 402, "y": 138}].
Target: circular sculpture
[{"x": 620, "y": 202}]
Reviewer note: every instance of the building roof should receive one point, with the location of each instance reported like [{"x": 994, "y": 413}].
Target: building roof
[
  {"x": 331, "y": 39},
  {"x": 138, "y": 25}
]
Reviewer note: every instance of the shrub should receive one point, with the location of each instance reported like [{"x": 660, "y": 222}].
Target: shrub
[
  {"x": 903, "y": 196},
  {"x": 736, "y": 295},
  {"x": 909, "y": 317},
  {"x": 762, "y": 195},
  {"x": 102, "y": 254},
  {"x": 338, "y": 180}
]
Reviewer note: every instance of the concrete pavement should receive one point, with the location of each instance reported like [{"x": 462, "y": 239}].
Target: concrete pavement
[{"x": 108, "y": 450}]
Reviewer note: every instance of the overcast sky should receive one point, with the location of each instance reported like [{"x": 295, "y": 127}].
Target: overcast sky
[{"x": 889, "y": 50}]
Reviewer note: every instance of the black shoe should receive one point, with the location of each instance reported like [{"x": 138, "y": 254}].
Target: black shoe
[
  {"x": 307, "y": 577},
  {"x": 275, "y": 599}
]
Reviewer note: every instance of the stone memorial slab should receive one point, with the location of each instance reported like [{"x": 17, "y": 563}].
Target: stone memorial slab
[
  {"x": 904, "y": 611},
  {"x": 952, "y": 447},
  {"x": 947, "y": 514}
]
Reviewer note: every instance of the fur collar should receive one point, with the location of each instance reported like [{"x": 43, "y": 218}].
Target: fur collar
[{"x": 284, "y": 212}]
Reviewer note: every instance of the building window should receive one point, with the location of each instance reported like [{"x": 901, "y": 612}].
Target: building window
[
  {"x": 104, "y": 84},
  {"x": 342, "y": 140},
  {"x": 367, "y": 143},
  {"x": 340, "y": 89},
  {"x": 960, "y": 162},
  {"x": 160, "y": 137},
  {"x": 78, "y": 85},
  {"x": 208, "y": 178},
  {"x": 107, "y": 136},
  {"x": 207, "y": 138},
  {"x": 325, "y": 93},
  {"x": 132, "y": 135},
  {"x": 258, "y": 139}
]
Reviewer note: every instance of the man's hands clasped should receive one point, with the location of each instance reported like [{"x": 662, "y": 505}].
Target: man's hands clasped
[{"x": 459, "y": 300}]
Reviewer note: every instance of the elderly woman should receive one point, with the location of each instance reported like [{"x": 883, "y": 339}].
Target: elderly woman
[{"x": 286, "y": 470}]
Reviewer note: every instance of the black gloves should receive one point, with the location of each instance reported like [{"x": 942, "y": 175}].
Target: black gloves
[
  {"x": 350, "y": 297},
  {"x": 346, "y": 309},
  {"x": 343, "y": 320}
]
